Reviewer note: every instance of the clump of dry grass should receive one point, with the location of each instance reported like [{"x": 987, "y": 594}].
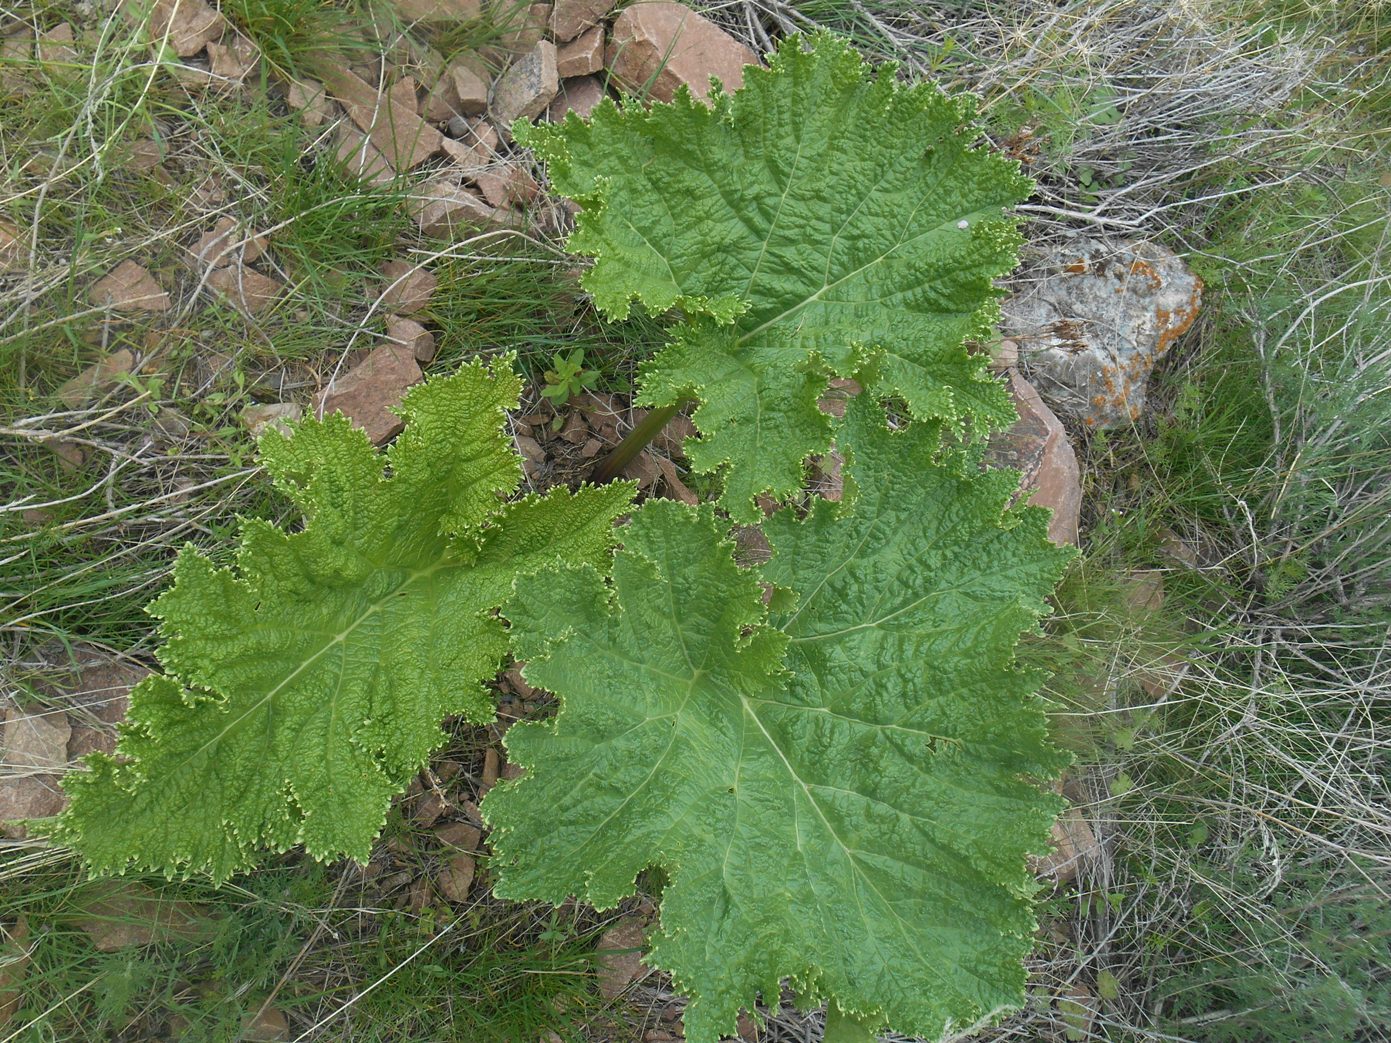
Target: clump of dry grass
[{"x": 1136, "y": 117}]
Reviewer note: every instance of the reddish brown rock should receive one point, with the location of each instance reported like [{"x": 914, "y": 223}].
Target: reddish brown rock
[
  {"x": 575, "y": 430},
  {"x": 470, "y": 88},
  {"x": 28, "y": 797},
  {"x": 582, "y": 55},
  {"x": 462, "y": 835},
  {"x": 96, "y": 695},
  {"x": 1004, "y": 356},
  {"x": 508, "y": 186},
  {"x": 35, "y": 751},
  {"x": 512, "y": 678},
  {"x": 15, "y": 52},
  {"x": 492, "y": 765},
  {"x": 361, "y": 158},
  {"x": 578, "y": 96},
  {"x": 311, "y": 102},
  {"x": 96, "y": 378},
  {"x": 71, "y": 456},
  {"x": 128, "y": 287},
  {"x": 1142, "y": 591},
  {"x": 476, "y": 146},
  {"x": 523, "y": 24},
  {"x": 194, "y": 75},
  {"x": 431, "y": 805},
  {"x": 12, "y": 251},
  {"x": 657, "y": 47},
  {"x": 227, "y": 242},
  {"x": 1161, "y": 675},
  {"x": 265, "y": 1025},
  {"x": 1092, "y": 324},
  {"x": 1038, "y": 447},
  {"x": 208, "y": 193},
  {"x": 245, "y": 289},
  {"x": 14, "y": 965},
  {"x": 190, "y": 24},
  {"x": 482, "y": 137},
  {"x": 439, "y": 10},
  {"x": 366, "y": 393},
  {"x": 408, "y": 287},
  {"x": 525, "y": 89},
  {"x": 404, "y": 94},
  {"x": 125, "y": 913},
  {"x": 277, "y": 415},
  {"x": 1074, "y": 845},
  {"x": 390, "y": 120},
  {"x": 572, "y": 17},
  {"x": 456, "y": 878},
  {"x": 410, "y": 334},
  {"x": 533, "y": 457},
  {"x": 233, "y": 61},
  {"x": 441, "y": 102},
  {"x": 56, "y": 46},
  {"x": 620, "y": 956},
  {"x": 146, "y": 156},
  {"x": 447, "y": 211}
]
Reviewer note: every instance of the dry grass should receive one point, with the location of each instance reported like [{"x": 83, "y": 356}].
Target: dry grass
[{"x": 1154, "y": 104}]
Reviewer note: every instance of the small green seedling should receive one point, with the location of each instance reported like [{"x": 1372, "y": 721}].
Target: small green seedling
[{"x": 567, "y": 377}]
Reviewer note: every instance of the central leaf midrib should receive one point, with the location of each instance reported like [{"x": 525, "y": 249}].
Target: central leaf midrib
[
  {"x": 335, "y": 641},
  {"x": 831, "y": 830},
  {"x": 806, "y": 301}
]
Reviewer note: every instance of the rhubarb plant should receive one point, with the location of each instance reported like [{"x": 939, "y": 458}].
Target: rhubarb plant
[
  {"x": 304, "y": 685},
  {"x": 833, "y": 759},
  {"x": 821, "y": 222},
  {"x": 840, "y": 789}
]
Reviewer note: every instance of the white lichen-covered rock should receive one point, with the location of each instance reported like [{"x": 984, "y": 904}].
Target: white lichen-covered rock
[{"x": 1093, "y": 322}]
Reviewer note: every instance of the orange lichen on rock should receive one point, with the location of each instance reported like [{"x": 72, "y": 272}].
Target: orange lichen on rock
[
  {"x": 1146, "y": 271},
  {"x": 1097, "y": 325},
  {"x": 1175, "y": 324}
]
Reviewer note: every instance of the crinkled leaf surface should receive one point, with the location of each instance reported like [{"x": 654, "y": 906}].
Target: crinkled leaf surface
[
  {"x": 821, "y": 221},
  {"x": 840, "y": 792},
  {"x": 304, "y": 686}
]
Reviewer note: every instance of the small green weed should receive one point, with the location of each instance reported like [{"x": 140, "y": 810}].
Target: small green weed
[{"x": 567, "y": 377}]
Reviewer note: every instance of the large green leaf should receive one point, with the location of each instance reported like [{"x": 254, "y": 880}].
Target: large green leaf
[
  {"x": 304, "y": 686},
  {"x": 821, "y": 221},
  {"x": 841, "y": 792}
]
